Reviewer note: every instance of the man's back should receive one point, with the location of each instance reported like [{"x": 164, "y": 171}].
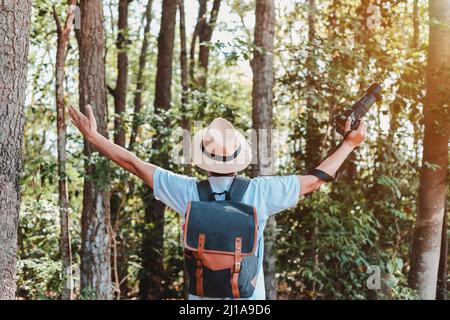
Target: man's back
[{"x": 269, "y": 195}]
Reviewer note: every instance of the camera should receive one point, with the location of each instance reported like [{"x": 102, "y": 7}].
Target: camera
[{"x": 359, "y": 109}]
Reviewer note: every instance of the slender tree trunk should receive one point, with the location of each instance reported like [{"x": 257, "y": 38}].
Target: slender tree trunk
[
  {"x": 185, "y": 120},
  {"x": 433, "y": 176},
  {"x": 200, "y": 21},
  {"x": 95, "y": 219},
  {"x": 262, "y": 115},
  {"x": 119, "y": 93},
  {"x": 416, "y": 24},
  {"x": 63, "y": 33},
  {"x": 203, "y": 32},
  {"x": 137, "y": 100},
  {"x": 14, "y": 37},
  {"x": 313, "y": 135},
  {"x": 152, "y": 247},
  {"x": 205, "y": 35}
]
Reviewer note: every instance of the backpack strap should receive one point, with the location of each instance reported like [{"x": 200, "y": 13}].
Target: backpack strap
[
  {"x": 237, "y": 189},
  {"x": 205, "y": 192},
  {"x": 236, "y": 192}
]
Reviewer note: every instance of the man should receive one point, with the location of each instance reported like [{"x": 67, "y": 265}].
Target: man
[{"x": 222, "y": 151}]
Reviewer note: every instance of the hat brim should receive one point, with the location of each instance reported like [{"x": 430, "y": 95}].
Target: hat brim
[{"x": 204, "y": 162}]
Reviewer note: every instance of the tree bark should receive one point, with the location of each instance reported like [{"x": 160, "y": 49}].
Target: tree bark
[
  {"x": 63, "y": 34},
  {"x": 416, "y": 24},
  {"x": 262, "y": 116},
  {"x": 205, "y": 35},
  {"x": 152, "y": 245},
  {"x": 203, "y": 31},
  {"x": 432, "y": 191},
  {"x": 185, "y": 121},
  {"x": 119, "y": 93},
  {"x": 14, "y": 41},
  {"x": 137, "y": 100},
  {"x": 200, "y": 20},
  {"x": 95, "y": 220}
]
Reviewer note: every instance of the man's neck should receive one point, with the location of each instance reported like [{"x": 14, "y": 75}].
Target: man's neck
[{"x": 215, "y": 174}]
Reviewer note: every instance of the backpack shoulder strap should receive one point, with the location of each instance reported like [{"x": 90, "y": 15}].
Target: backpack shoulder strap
[
  {"x": 204, "y": 191},
  {"x": 238, "y": 188}
]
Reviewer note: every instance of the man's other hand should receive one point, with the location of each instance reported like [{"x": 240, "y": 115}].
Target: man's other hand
[{"x": 86, "y": 124}]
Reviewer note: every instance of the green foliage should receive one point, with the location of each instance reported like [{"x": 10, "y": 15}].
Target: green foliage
[
  {"x": 327, "y": 243},
  {"x": 39, "y": 269}
]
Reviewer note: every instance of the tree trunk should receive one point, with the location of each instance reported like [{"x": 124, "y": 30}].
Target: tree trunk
[
  {"x": 200, "y": 21},
  {"x": 120, "y": 92},
  {"x": 14, "y": 36},
  {"x": 119, "y": 263},
  {"x": 95, "y": 219},
  {"x": 185, "y": 121},
  {"x": 432, "y": 191},
  {"x": 63, "y": 34},
  {"x": 313, "y": 136},
  {"x": 416, "y": 24},
  {"x": 203, "y": 31},
  {"x": 137, "y": 100},
  {"x": 152, "y": 246},
  {"x": 262, "y": 116},
  {"x": 137, "y": 103},
  {"x": 205, "y": 35}
]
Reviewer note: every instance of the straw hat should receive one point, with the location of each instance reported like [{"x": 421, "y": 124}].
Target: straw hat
[{"x": 221, "y": 148}]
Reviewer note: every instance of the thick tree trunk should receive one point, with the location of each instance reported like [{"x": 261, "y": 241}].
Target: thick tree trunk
[
  {"x": 262, "y": 115},
  {"x": 63, "y": 33},
  {"x": 433, "y": 176},
  {"x": 95, "y": 226},
  {"x": 152, "y": 246},
  {"x": 14, "y": 36}
]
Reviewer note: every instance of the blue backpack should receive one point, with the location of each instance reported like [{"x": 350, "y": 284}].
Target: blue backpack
[{"x": 220, "y": 242}]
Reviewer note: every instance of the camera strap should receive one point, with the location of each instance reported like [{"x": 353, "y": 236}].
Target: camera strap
[{"x": 322, "y": 175}]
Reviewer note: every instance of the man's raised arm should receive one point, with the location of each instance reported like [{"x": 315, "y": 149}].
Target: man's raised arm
[
  {"x": 330, "y": 165},
  {"x": 122, "y": 157}
]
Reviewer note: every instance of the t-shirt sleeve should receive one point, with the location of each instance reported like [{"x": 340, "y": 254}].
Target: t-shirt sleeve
[
  {"x": 279, "y": 192},
  {"x": 174, "y": 190}
]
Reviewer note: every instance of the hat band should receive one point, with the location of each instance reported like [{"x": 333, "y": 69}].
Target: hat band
[{"x": 218, "y": 157}]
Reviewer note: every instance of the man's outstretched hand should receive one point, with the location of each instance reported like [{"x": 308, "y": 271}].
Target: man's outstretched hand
[
  {"x": 86, "y": 124},
  {"x": 355, "y": 137}
]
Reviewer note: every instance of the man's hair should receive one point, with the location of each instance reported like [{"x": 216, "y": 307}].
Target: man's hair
[{"x": 216, "y": 174}]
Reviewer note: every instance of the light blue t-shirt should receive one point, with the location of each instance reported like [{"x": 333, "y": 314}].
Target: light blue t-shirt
[{"x": 270, "y": 195}]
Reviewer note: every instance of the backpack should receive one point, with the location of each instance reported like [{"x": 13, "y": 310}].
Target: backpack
[{"x": 220, "y": 242}]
